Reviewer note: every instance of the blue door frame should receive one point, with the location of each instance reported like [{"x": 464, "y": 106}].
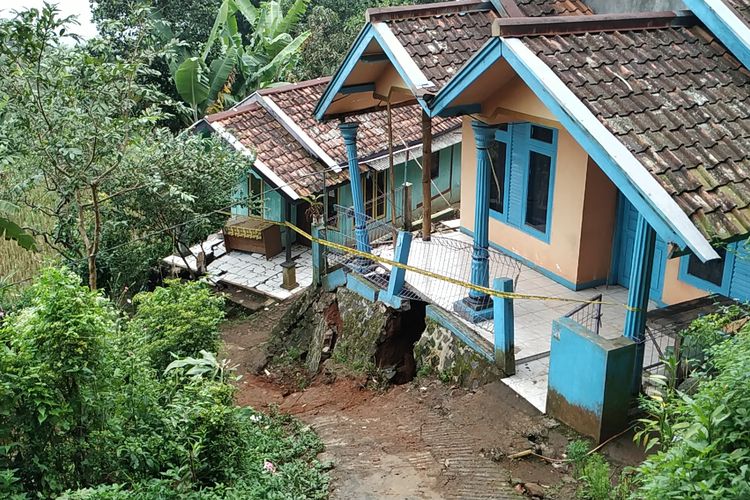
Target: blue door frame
[{"x": 627, "y": 220}]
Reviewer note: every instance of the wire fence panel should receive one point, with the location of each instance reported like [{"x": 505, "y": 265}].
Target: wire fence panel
[{"x": 589, "y": 315}]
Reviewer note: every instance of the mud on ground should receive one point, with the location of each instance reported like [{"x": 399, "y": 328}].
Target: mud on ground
[{"x": 420, "y": 440}]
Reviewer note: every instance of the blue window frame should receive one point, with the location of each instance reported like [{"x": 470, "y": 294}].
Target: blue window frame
[
  {"x": 523, "y": 160},
  {"x": 499, "y": 152},
  {"x": 714, "y": 276}
]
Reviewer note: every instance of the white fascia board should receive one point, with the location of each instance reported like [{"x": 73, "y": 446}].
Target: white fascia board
[
  {"x": 296, "y": 131},
  {"x": 414, "y": 76},
  {"x": 734, "y": 23},
  {"x": 257, "y": 163},
  {"x": 671, "y": 214}
]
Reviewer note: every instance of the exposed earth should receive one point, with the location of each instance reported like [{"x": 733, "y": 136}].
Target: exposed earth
[{"x": 419, "y": 440}]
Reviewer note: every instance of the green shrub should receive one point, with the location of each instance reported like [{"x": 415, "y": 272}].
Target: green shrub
[
  {"x": 176, "y": 321},
  {"x": 707, "y": 453},
  {"x": 594, "y": 474},
  {"x": 85, "y": 413}
]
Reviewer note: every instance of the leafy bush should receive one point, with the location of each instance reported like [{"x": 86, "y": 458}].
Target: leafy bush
[
  {"x": 177, "y": 320},
  {"x": 84, "y": 413},
  {"x": 706, "y": 453},
  {"x": 595, "y": 475}
]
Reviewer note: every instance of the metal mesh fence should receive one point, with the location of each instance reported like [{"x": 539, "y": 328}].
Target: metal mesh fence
[
  {"x": 448, "y": 257},
  {"x": 588, "y": 315}
]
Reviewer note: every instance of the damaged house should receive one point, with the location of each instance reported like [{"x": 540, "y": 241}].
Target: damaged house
[{"x": 605, "y": 154}]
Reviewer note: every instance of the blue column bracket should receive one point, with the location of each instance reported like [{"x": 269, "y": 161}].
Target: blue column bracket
[
  {"x": 505, "y": 356},
  {"x": 349, "y": 133},
  {"x": 638, "y": 294},
  {"x": 477, "y": 306}
]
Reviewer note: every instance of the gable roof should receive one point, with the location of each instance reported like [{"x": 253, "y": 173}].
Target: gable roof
[
  {"x": 292, "y": 150},
  {"x": 678, "y": 101},
  {"x": 428, "y": 44},
  {"x": 655, "y": 100},
  {"x": 729, "y": 20}
]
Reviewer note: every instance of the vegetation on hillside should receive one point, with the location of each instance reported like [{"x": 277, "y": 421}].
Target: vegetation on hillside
[
  {"x": 701, "y": 429},
  {"x": 83, "y": 149},
  {"x": 92, "y": 408}
]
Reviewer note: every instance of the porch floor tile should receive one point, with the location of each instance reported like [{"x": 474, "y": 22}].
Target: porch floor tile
[{"x": 251, "y": 271}]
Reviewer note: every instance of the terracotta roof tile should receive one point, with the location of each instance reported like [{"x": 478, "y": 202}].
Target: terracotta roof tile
[
  {"x": 257, "y": 130},
  {"x": 299, "y": 103},
  {"x": 742, "y": 7},
  {"x": 544, "y": 8},
  {"x": 441, "y": 43},
  {"x": 679, "y": 101}
]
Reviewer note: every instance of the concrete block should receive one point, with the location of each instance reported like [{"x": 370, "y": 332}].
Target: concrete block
[{"x": 589, "y": 380}]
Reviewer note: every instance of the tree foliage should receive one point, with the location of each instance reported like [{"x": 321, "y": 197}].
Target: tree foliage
[
  {"x": 84, "y": 413},
  {"x": 82, "y": 145},
  {"x": 333, "y": 26},
  {"x": 212, "y": 79}
]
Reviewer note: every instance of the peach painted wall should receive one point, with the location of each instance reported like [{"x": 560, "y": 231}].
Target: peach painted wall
[
  {"x": 598, "y": 228},
  {"x": 571, "y": 221},
  {"x": 676, "y": 291}
]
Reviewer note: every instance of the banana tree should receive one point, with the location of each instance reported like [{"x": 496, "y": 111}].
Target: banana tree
[
  {"x": 239, "y": 66},
  {"x": 9, "y": 230}
]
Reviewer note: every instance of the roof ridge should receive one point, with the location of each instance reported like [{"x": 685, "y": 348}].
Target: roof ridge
[
  {"x": 294, "y": 86},
  {"x": 232, "y": 112},
  {"x": 557, "y": 25},
  {"x": 380, "y": 14}
]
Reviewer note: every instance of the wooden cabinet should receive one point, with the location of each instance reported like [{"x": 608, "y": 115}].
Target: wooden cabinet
[{"x": 250, "y": 234}]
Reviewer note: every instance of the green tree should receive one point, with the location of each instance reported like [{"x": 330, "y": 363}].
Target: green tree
[
  {"x": 190, "y": 20},
  {"x": 242, "y": 64},
  {"x": 333, "y": 26},
  {"x": 12, "y": 231},
  {"x": 84, "y": 146}
]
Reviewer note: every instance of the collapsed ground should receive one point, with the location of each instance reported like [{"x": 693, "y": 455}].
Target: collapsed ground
[{"x": 421, "y": 438}]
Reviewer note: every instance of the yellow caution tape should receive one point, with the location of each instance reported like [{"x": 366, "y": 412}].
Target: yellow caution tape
[{"x": 471, "y": 286}]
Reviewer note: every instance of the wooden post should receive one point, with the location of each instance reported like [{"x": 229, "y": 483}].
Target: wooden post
[
  {"x": 426, "y": 181},
  {"x": 406, "y": 206}
]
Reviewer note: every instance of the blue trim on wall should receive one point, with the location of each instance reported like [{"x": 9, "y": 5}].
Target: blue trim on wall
[
  {"x": 721, "y": 29},
  {"x": 356, "y": 89},
  {"x": 726, "y": 278},
  {"x": 464, "y": 109},
  {"x": 536, "y": 267}
]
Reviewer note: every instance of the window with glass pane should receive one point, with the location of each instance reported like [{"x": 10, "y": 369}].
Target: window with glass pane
[
  {"x": 537, "y": 195},
  {"x": 380, "y": 194},
  {"x": 498, "y": 154},
  {"x": 255, "y": 192},
  {"x": 435, "y": 165},
  {"x": 711, "y": 271}
]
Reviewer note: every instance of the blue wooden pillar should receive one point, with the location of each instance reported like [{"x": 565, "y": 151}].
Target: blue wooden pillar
[
  {"x": 478, "y": 306},
  {"x": 505, "y": 356},
  {"x": 349, "y": 133},
  {"x": 398, "y": 275},
  {"x": 638, "y": 295}
]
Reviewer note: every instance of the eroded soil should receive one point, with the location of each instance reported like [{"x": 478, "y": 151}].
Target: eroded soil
[{"x": 420, "y": 440}]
